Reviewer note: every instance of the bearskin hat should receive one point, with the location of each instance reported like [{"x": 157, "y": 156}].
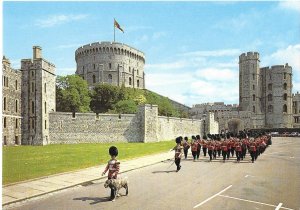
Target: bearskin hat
[
  {"x": 205, "y": 137},
  {"x": 193, "y": 137},
  {"x": 113, "y": 151},
  {"x": 186, "y": 138},
  {"x": 178, "y": 140},
  {"x": 198, "y": 137}
]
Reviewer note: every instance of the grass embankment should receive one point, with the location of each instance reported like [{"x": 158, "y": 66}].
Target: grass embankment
[{"x": 28, "y": 162}]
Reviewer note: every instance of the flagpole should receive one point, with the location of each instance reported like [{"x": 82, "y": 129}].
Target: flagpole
[{"x": 114, "y": 32}]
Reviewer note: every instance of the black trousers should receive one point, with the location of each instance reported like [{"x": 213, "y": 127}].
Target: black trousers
[
  {"x": 238, "y": 155},
  {"x": 177, "y": 162},
  {"x": 224, "y": 154},
  {"x": 228, "y": 153},
  {"x": 194, "y": 153},
  {"x": 185, "y": 153},
  {"x": 232, "y": 152},
  {"x": 204, "y": 151},
  {"x": 198, "y": 152},
  {"x": 253, "y": 155},
  {"x": 219, "y": 152},
  {"x": 210, "y": 154}
]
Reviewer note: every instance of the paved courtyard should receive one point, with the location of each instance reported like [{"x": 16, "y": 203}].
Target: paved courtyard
[{"x": 272, "y": 182}]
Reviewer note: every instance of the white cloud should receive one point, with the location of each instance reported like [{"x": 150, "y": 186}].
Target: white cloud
[
  {"x": 215, "y": 74},
  {"x": 291, "y": 5},
  {"x": 55, "y": 20},
  {"x": 290, "y": 55}
]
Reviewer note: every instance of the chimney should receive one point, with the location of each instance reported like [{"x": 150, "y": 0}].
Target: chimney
[{"x": 37, "y": 52}]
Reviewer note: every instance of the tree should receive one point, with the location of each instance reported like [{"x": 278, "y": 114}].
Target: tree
[
  {"x": 72, "y": 94},
  {"x": 104, "y": 98},
  {"x": 126, "y": 107}
]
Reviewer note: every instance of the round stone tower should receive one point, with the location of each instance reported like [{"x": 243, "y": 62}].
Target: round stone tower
[
  {"x": 279, "y": 97},
  {"x": 250, "y": 82},
  {"x": 111, "y": 62}
]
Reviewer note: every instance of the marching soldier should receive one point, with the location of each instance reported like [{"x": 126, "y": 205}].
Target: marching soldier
[
  {"x": 224, "y": 150},
  {"x": 178, "y": 153},
  {"x": 194, "y": 145},
  {"x": 199, "y": 146},
  {"x": 210, "y": 148},
  {"x": 238, "y": 151},
  {"x": 204, "y": 145},
  {"x": 252, "y": 151},
  {"x": 186, "y": 147},
  {"x": 113, "y": 168}
]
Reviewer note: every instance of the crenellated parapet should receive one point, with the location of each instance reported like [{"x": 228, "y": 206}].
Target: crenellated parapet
[{"x": 249, "y": 56}]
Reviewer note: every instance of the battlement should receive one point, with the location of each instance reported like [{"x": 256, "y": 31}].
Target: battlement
[
  {"x": 249, "y": 56},
  {"x": 110, "y": 47}
]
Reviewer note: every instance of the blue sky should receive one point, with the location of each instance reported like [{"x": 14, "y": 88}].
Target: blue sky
[{"x": 191, "y": 48}]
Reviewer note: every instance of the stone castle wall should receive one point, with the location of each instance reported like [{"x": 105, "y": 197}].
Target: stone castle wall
[
  {"x": 11, "y": 107},
  {"x": 111, "y": 62},
  {"x": 145, "y": 126}
]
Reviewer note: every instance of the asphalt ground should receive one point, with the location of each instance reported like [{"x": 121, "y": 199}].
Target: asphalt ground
[{"x": 272, "y": 182}]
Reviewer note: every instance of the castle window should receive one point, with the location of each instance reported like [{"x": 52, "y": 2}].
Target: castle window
[
  {"x": 4, "y": 122},
  {"x": 4, "y": 103},
  {"x": 253, "y": 87},
  {"x": 285, "y": 108},
  {"x": 32, "y": 123},
  {"x": 45, "y": 124},
  {"x": 94, "y": 66},
  {"x": 16, "y": 84},
  {"x": 285, "y": 96},
  {"x": 138, "y": 83},
  {"x": 32, "y": 107},
  {"x": 45, "y": 107},
  {"x": 109, "y": 65},
  {"x": 129, "y": 69},
  {"x": 137, "y": 72},
  {"x": 5, "y": 141},
  {"x": 253, "y": 109},
  {"x": 109, "y": 78},
  {"x": 94, "y": 79},
  {"x": 270, "y": 76},
  {"x": 270, "y": 97},
  {"x": 17, "y": 123},
  {"x": 130, "y": 81},
  {"x": 270, "y": 86},
  {"x": 253, "y": 97},
  {"x": 253, "y": 76},
  {"x": 284, "y": 75},
  {"x": 284, "y": 86},
  {"x": 4, "y": 81},
  {"x": 45, "y": 87},
  {"x": 32, "y": 73},
  {"x": 32, "y": 87},
  {"x": 270, "y": 109},
  {"x": 83, "y": 69},
  {"x": 16, "y": 105}
]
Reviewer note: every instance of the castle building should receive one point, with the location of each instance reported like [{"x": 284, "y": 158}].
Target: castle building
[
  {"x": 111, "y": 63},
  {"x": 28, "y": 97},
  {"x": 265, "y": 99}
]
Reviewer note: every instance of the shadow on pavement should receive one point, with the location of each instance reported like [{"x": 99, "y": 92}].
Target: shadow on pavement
[
  {"x": 95, "y": 199},
  {"x": 155, "y": 172}
]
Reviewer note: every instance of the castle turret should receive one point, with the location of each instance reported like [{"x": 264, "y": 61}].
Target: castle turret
[
  {"x": 111, "y": 62},
  {"x": 250, "y": 81},
  {"x": 38, "y": 94}
]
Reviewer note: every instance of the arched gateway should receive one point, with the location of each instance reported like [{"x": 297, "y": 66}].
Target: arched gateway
[{"x": 235, "y": 125}]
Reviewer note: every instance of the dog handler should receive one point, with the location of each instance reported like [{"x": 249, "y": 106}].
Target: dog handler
[{"x": 113, "y": 168}]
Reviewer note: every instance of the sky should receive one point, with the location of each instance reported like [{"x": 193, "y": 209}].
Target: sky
[{"x": 191, "y": 48}]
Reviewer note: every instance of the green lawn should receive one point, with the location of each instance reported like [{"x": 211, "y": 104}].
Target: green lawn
[{"x": 28, "y": 162}]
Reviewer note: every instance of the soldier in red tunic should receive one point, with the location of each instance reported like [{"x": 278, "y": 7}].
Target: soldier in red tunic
[
  {"x": 194, "y": 145},
  {"x": 113, "y": 168},
  {"x": 186, "y": 147},
  {"x": 178, "y": 153}
]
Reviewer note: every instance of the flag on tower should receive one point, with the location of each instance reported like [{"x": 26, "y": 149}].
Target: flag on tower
[{"x": 117, "y": 25}]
